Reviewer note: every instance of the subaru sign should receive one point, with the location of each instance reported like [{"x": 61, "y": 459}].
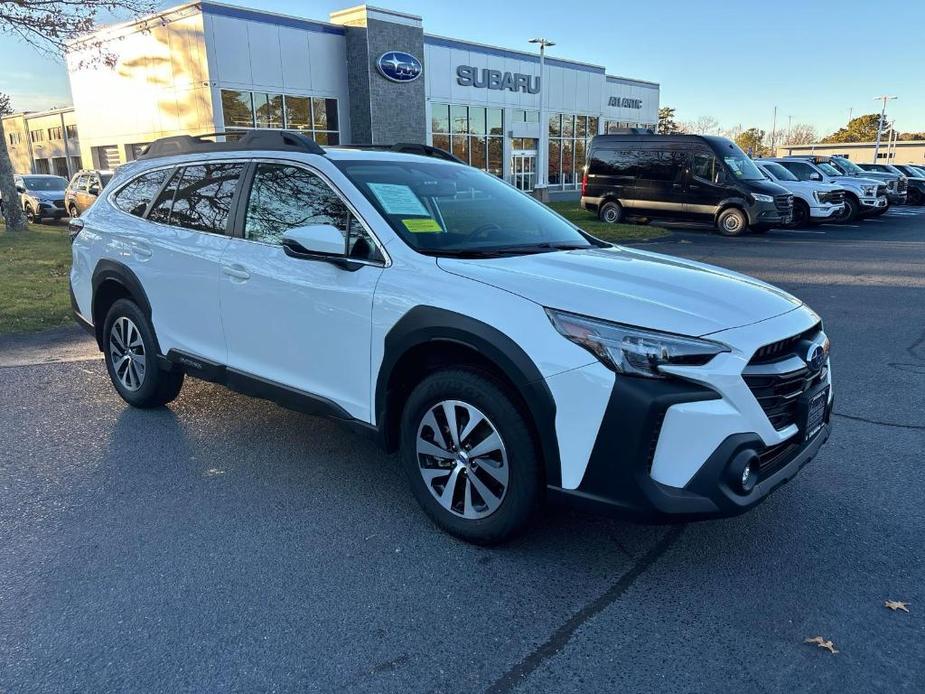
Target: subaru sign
[{"x": 399, "y": 66}]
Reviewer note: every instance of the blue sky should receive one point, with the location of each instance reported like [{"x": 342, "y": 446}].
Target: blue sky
[{"x": 814, "y": 59}]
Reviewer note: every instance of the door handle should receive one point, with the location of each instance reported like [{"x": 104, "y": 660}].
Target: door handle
[
  {"x": 236, "y": 272},
  {"x": 141, "y": 250}
]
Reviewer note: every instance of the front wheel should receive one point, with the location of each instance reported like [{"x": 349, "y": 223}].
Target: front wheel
[
  {"x": 852, "y": 210},
  {"x": 801, "y": 215},
  {"x": 72, "y": 212},
  {"x": 131, "y": 358},
  {"x": 469, "y": 456},
  {"x": 915, "y": 197},
  {"x": 30, "y": 215},
  {"x": 611, "y": 212},
  {"x": 732, "y": 222}
]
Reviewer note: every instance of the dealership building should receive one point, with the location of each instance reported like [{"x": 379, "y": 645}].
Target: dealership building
[{"x": 366, "y": 76}]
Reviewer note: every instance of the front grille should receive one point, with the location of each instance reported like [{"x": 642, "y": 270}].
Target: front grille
[
  {"x": 783, "y": 203},
  {"x": 881, "y": 190},
  {"x": 778, "y": 394},
  {"x": 782, "y": 348},
  {"x": 832, "y": 197},
  {"x": 903, "y": 185}
]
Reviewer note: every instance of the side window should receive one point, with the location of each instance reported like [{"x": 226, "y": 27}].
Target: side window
[
  {"x": 204, "y": 195},
  {"x": 284, "y": 197},
  {"x": 81, "y": 183},
  {"x": 160, "y": 211},
  {"x": 705, "y": 167},
  {"x": 798, "y": 169},
  {"x": 134, "y": 197}
]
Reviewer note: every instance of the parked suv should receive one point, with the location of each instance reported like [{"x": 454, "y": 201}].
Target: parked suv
[
  {"x": 41, "y": 196},
  {"x": 863, "y": 196},
  {"x": 507, "y": 354},
  {"x": 681, "y": 177},
  {"x": 915, "y": 192},
  {"x": 84, "y": 189},
  {"x": 814, "y": 202}
]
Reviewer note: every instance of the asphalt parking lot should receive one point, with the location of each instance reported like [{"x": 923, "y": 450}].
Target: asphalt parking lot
[{"x": 228, "y": 544}]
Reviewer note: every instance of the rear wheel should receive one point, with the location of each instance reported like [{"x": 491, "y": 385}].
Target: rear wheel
[
  {"x": 611, "y": 212},
  {"x": 131, "y": 358},
  {"x": 915, "y": 197},
  {"x": 469, "y": 456},
  {"x": 732, "y": 222}
]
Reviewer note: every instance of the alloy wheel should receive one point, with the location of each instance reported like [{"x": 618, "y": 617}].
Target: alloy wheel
[
  {"x": 462, "y": 459},
  {"x": 127, "y": 352},
  {"x": 731, "y": 223}
]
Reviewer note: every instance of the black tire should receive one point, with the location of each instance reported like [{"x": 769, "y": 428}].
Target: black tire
[
  {"x": 611, "y": 212},
  {"x": 853, "y": 208},
  {"x": 732, "y": 222},
  {"x": 72, "y": 212},
  {"x": 154, "y": 386},
  {"x": 801, "y": 216},
  {"x": 521, "y": 496},
  {"x": 915, "y": 197}
]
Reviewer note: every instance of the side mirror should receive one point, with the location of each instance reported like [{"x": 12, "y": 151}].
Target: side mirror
[
  {"x": 815, "y": 177},
  {"x": 319, "y": 242},
  {"x": 94, "y": 190}
]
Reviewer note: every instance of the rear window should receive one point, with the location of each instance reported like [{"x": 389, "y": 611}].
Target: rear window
[{"x": 137, "y": 195}]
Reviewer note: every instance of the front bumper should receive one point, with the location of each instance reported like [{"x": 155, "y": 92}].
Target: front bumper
[
  {"x": 826, "y": 211},
  {"x": 47, "y": 209},
  {"x": 897, "y": 198},
  {"x": 876, "y": 203},
  {"x": 768, "y": 214}
]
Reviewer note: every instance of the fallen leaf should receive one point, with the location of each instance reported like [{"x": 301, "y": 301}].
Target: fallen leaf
[
  {"x": 897, "y": 605},
  {"x": 822, "y": 643}
]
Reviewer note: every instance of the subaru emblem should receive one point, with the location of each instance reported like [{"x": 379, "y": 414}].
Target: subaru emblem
[
  {"x": 815, "y": 357},
  {"x": 399, "y": 66}
]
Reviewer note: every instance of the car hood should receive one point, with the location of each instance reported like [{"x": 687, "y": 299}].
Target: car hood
[
  {"x": 634, "y": 287},
  {"x": 857, "y": 180},
  {"x": 46, "y": 194}
]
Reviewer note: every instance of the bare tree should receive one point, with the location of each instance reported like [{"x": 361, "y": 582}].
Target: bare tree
[
  {"x": 705, "y": 125},
  {"x": 49, "y": 26},
  {"x": 13, "y": 215},
  {"x": 801, "y": 134}
]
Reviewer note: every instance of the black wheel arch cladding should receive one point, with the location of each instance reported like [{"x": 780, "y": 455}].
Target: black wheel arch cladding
[
  {"x": 122, "y": 275},
  {"x": 427, "y": 324}
]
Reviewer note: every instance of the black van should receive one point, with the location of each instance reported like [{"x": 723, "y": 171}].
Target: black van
[{"x": 697, "y": 178}]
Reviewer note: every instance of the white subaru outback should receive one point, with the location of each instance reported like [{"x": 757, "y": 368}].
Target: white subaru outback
[{"x": 508, "y": 355}]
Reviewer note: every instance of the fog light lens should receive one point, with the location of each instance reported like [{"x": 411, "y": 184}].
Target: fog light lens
[{"x": 742, "y": 471}]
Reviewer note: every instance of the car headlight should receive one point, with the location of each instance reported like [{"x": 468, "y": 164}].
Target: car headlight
[
  {"x": 761, "y": 197},
  {"x": 816, "y": 196},
  {"x": 633, "y": 351},
  {"x": 870, "y": 190}
]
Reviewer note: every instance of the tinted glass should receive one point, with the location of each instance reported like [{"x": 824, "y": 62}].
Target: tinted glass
[
  {"x": 134, "y": 197},
  {"x": 447, "y": 209},
  {"x": 285, "y": 197},
  {"x": 269, "y": 110},
  {"x": 800, "y": 170},
  {"x": 203, "y": 198},
  {"x": 778, "y": 171},
  {"x": 160, "y": 211},
  {"x": 45, "y": 182},
  {"x": 298, "y": 113},
  {"x": 238, "y": 109}
]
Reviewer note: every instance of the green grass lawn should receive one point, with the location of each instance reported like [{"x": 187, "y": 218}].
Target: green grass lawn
[
  {"x": 34, "y": 266},
  {"x": 616, "y": 233}
]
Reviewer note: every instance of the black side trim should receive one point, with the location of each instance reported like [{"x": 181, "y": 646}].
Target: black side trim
[
  {"x": 618, "y": 469},
  {"x": 424, "y": 324},
  {"x": 123, "y": 275},
  {"x": 257, "y": 387}
]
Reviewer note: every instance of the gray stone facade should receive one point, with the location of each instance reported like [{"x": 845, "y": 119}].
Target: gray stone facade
[{"x": 382, "y": 111}]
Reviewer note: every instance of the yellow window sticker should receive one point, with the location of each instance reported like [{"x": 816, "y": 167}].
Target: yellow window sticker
[{"x": 426, "y": 225}]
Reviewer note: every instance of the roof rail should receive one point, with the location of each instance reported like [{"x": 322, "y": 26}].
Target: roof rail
[
  {"x": 410, "y": 148},
  {"x": 275, "y": 140}
]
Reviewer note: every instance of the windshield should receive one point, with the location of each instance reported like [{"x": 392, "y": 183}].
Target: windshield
[
  {"x": 779, "y": 172},
  {"x": 737, "y": 162},
  {"x": 44, "y": 183},
  {"x": 847, "y": 166},
  {"x": 829, "y": 169},
  {"x": 919, "y": 169},
  {"x": 447, "y": 209}
]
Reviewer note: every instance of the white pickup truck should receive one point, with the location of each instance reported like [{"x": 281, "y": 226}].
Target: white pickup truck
[
  {"x": 814, "y": 202},
  {"x": 863, "y": 196}
]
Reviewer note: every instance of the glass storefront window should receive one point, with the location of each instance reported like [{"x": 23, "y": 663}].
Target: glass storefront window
[
  {"x": 581, "y": 126},
  {"x": 555, "y": 125},
  {"x": 568, "y": 125},
  {"x": 494, "y": 121},
  {"x": 324, "y": 114},
  {"x": 555, "y": 162},
  {"x": 460, "y": 144},
  {"x": 495, "y": 156},
  {"x": 238, "y": 109},
  {"x": 269, "y": 110},
  {"x": 459, "y": 119},
  {"x": 478, "y": 151},
  {"x": 297, "y": 113},
  {"x": 476, "y": 120},
  {"x": 442, "y": 141},
  {"x": 532, "y": 116},
  {"x": 593, "y": 122},
  {"x": 568, "y": 148},
  {"x": 440, "y": 119}
]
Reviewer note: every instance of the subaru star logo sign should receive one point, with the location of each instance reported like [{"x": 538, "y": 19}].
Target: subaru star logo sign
[{"x": 399, "y": 66}]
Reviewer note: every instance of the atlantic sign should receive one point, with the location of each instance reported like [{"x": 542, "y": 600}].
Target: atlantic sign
[
  {"x": 399, "y": 66},
  {"x": 483, "y": 78},
  {"x": 623, "y": 102}
]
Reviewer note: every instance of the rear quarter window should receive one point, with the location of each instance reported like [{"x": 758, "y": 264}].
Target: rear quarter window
[{"x": 135, "y": 197}]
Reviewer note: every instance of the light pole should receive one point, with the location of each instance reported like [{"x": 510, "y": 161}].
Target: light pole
[
  {"x": 884, "y": 99},
  {"x": 774, "y": 134},
  {"x": 540, "y": 189}
]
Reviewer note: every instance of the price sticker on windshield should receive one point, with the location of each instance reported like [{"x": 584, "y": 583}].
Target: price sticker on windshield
[
  {"x": 397, "y": 199},
  {"x": 426, "y": 225}
]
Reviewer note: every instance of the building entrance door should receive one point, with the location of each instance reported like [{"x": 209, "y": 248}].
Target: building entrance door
[{"x": 523, "y": 169}]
